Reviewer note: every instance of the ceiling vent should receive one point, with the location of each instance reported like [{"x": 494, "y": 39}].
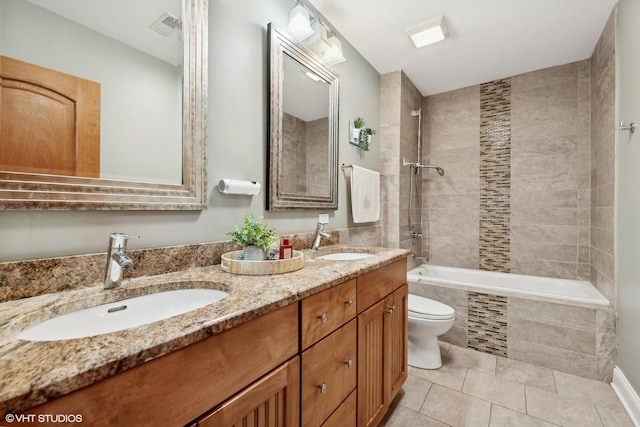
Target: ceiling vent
[{"x": 166, "y": 25}]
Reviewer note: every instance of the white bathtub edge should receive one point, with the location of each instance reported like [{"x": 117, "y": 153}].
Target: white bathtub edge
[
  {"x": 627, "y": 395},
  {"x": 598, "y": 302}
]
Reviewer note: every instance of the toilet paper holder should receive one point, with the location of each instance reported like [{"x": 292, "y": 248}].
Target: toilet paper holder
[{"x": 234, "y": 186}]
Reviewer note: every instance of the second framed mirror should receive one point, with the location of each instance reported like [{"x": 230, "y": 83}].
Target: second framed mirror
[{"x": 303, "y": 128}]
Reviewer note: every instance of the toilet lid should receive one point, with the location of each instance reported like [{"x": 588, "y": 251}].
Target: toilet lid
[{"x": 428, "y": 308}]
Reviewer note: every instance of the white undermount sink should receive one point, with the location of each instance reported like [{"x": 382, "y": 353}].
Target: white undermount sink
[
  {"x": 120, "y": 315},
  {"x": 345, "y": 256}
]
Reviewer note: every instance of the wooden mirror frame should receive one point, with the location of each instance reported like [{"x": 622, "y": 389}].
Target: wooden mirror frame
[
  {"x": 37, "y": 191},
  {"x": 281, "y": 44}
]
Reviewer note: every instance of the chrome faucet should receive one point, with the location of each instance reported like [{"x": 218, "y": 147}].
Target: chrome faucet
[
  {"x": 320, "y": 233},
  {"x": 117, "y": 259}
]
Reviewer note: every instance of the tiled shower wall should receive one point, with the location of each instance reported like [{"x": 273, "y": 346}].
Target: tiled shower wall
[
  {"x": 398, "y": 141},
  {"x": 541, "y": 149},
  {"x": 603, "y": 162}
]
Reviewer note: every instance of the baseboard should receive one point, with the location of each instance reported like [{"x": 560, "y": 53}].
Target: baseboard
[{"x": 627, "y": 395}]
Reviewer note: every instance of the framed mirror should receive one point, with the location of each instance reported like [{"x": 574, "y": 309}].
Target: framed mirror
[
  {"x": 303, "y": 128},
  {"x": 112, "y": 115}
]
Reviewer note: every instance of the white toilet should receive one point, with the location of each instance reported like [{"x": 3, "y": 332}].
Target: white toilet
[{"x": 427, "y": 320}]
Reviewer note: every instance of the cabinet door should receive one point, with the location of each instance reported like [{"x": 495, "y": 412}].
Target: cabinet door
[
  {"x": 397, "y": 351},
  {"x": 272, "y": 401},
  {"x": 371, "y": 382}
]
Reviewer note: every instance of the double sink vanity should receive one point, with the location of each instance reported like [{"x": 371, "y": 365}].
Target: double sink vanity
[{"x": 324, "y": 345}]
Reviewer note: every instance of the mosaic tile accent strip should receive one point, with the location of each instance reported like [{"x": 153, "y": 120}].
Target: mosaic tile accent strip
[
  {"x": 487, "y": 323},
  {"x": 495, "y": 175}
]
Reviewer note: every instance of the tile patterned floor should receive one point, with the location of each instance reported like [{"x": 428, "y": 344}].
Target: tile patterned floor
[{"x": 479, "y": 389}]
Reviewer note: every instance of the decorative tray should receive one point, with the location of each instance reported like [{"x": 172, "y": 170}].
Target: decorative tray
[{"x": 231, "y": 264}]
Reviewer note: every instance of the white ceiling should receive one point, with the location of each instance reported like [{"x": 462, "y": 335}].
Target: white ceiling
[{"x": 489, "y": 39}]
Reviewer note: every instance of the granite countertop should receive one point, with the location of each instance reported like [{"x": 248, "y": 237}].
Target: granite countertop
[{"x": 35, "y": 372}]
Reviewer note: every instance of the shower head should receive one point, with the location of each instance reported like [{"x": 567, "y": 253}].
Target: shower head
[{"x": 440, "y": 171}]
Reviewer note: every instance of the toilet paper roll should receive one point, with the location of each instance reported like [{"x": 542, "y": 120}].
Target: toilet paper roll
[{"x": 234, "y": 186}]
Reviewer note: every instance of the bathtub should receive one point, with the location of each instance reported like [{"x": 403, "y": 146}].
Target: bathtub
[
  {"x": 507, "y": 284},
  {"x": 566, "y": 325}
]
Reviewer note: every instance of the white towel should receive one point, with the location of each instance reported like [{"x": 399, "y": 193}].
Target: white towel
[{"x": 365, "y": 195}]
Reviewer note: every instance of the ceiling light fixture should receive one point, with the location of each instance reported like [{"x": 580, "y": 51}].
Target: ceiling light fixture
[
  {"x": 299, "y": 25},
  {"x": 428, "y": 32}
]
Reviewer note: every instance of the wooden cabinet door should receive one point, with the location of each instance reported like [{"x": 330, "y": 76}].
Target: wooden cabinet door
[
  {"x": 397, "y": 322},
  {"x": 49, "y": 121},
  {"x": 371, "y": 382},
  {"x": 273, "y": 401}
]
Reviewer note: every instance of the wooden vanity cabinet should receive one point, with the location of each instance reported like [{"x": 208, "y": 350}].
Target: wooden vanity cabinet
[
  {"x": 382, "y": 340},
  {"x": 338, "y": 358},
  {"x": 179, "y": 387}
]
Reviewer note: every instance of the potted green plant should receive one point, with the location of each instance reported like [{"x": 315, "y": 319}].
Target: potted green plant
[
  {"x": 358, "y": 124},
  {"x": 361, "y": 134},
  {"x": 365, "y": 138},
  {"x": 254, "y": 236}
]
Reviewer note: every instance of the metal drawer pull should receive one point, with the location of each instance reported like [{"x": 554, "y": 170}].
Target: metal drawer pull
[
  {"x": 349, "y": 363},
  {"x": 323, "y": 318},
  {"x": 390, "y": 310},
  {"x": 323, "y": 388},
  {"x": 349, "y": 303}
]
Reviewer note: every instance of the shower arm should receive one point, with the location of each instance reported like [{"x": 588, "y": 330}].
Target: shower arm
[{"x": 419, "y": 165}]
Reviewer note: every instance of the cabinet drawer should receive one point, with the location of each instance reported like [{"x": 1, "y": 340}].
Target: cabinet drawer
[
  {"x": 345, "y": 415},
  {"x": 377, "y": 284},
  {"x": 328, "y": 374},
  {"x": 325, "y": 312}
]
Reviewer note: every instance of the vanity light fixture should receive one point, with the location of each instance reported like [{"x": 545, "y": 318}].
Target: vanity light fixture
[
  {"x": 299, "y": 24},
  {"x": 334, "y": 54},
  {"x": 317, "y": 42},
  {"x": 428, "y": 32}
]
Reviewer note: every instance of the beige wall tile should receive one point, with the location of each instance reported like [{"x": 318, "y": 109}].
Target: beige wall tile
[
  {"x": 577, "y": 340},
  {"x": 552, "y": 313}
]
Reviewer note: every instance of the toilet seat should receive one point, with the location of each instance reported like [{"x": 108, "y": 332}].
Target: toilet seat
[{"x": 427, "y": 309}]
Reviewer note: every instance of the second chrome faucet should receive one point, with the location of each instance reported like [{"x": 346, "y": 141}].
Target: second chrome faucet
[
  {"x": 117, "y": 259},
  {"x": 320, "y": 233}
]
